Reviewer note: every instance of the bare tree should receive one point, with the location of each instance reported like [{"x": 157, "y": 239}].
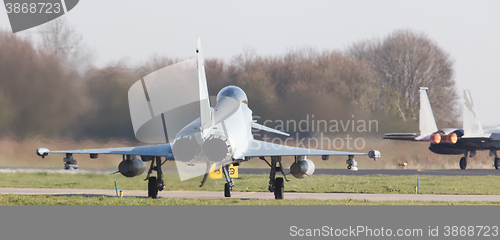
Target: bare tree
[
  {"x": 153, "y": 63},
  {"x": 216, "y": 75},
  {"x": 59, "y": 39},
  {"x": 35, "y": 96},
  {"x": 400, "y": 64}
]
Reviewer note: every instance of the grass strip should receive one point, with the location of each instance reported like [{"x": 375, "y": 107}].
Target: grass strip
[
  {"x": 25, "y": 200},
  {"x": 380, "y": 184}
]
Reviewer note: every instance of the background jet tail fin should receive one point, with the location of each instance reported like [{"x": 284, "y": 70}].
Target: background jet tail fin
[
  {"x": 206, "y": 114},
  {"x": 427, "y": 123},
  {"x": 472, "y": 126}
]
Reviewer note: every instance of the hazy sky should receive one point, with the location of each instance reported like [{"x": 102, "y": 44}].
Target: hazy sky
[{"x": 133, "y": 30}]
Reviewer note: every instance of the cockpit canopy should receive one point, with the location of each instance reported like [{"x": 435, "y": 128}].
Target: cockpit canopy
[{"x": 233, "y": 92}]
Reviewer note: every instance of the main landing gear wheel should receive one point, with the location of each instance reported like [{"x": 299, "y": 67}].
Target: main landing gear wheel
[
  {"x": 497, "y": 163},
  {"x": 279, "y": 188},
  {"x": 463, "y": 163},
  {"x": 227, "y": 190},
  {"x": 152, "y": 188}
]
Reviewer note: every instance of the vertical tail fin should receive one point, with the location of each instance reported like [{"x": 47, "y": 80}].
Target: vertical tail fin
[
  {"x": 426, "y": 121},
  {"x": 206, "y": 115},
  {"x": 472, "y": 125}
]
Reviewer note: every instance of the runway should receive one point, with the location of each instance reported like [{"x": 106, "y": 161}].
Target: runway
[
  {"x": 251, "y": 195},
  {"x": 389, "y": 172},
  {"x": 288, "y": 195},
  {"x": 361, "y": 172}
]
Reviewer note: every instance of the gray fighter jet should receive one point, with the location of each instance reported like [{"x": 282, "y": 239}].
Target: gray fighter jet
[
  {"x": 171, "y": 106},
  {"x": 453, "y": 141}
]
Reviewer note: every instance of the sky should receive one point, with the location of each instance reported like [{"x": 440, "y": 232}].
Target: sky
[{"x": 132, "y": 31}]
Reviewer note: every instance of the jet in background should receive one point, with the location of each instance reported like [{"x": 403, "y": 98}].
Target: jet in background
[
  {"x": 221, "y": 135},
  {"x": 453, "y": 141}
]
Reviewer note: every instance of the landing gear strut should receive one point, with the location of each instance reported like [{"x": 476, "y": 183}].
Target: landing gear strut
[
  {"x": 227, "y": 190},
  {"x": 155, "y": 184},
  {"x": 279, "y": 188},
  {"x": 152, "y": 189},
  {"x": 276, "y": 185},
  {"x": 206, "y": 174},
  {"x": 497, "y": 160},
  {"x": 463, "y": 162},
  {"x": 69, "y": 162},
  {"x": 351, "y": 163},
  {"x": 228, "y": 187}
]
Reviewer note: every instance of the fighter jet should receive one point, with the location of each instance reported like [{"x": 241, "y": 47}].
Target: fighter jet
[
  {"x": 453, "y": 141},
  {"x": 171, "y": 106}
]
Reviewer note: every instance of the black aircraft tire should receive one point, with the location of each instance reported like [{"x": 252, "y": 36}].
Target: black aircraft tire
[
  {"x": 497, "y": 163},
  {"x": 279, "y": 188},
  {"x": 463, "y": 163},
  {"x": 227, "y": 190},
  {"x": 152, "y": 189}
]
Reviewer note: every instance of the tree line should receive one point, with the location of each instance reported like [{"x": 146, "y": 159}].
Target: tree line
[{"x": 51, "y": 89}]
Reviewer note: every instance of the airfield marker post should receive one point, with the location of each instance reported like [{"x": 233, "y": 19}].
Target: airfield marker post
[
  {"x": 116, "y": 189},
  {"x": 418, "y": 185}
]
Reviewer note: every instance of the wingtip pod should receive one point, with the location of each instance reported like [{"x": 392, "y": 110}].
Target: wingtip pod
[
  {"x": 374, "y": 154},
  {"x": 42, "y": 152}
]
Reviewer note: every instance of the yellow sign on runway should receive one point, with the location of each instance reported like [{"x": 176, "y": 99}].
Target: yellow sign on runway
[{"x": 217, "y": 174}]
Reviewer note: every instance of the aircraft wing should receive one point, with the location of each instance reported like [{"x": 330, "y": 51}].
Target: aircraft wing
[
  {"x": 402, "y": 136},
  {"x": 163, "y": 150},
  {"x": 266, "y": 149}
]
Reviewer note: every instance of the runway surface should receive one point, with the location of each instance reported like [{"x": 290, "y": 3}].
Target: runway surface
[
  {"x": 268, "y": 195},
  {"x": 361, "y": 172},
  {"x": 389, "y": 172},
  {"x": 251, "y": 195}
]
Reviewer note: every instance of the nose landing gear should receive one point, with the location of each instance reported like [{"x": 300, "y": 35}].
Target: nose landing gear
[{"x": 155, "y": 184}]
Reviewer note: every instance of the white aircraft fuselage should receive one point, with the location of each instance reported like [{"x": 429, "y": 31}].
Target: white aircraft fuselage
[{"x": 229, "y": 135}]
